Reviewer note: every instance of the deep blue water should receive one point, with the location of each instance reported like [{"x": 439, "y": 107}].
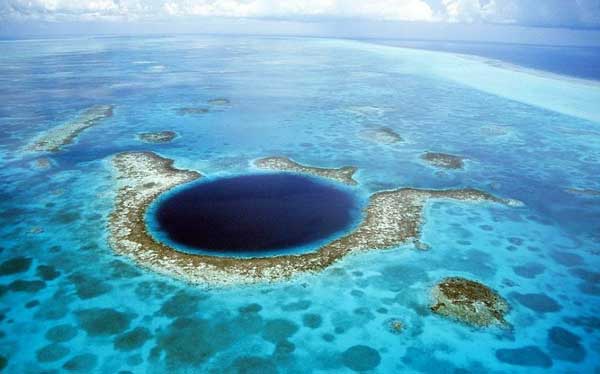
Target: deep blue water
[
  {"x": 579, "y": 62},
  {"x": 68, "y": 302},
  {"x": 255, "y": 213}
]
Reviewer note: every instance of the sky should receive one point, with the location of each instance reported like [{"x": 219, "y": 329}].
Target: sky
[{"x": 510, "y": 20}]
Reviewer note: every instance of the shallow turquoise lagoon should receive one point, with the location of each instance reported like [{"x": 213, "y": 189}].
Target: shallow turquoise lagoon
[{"x": 68, "y": 303}]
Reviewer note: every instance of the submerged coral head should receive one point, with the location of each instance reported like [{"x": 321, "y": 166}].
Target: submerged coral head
[{"x": 255, "y": 213}]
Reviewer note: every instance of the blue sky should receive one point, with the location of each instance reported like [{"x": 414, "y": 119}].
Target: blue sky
[{"x": 393, "y": 18}]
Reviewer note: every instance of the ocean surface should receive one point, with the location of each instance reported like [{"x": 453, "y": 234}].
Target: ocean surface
[
  {"x": 574, "y": 61},
  {"x": 68, "y": 303}
]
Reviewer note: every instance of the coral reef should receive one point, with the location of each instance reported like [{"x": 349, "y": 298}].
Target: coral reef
[
  {"x": 381, "y": 135},
  {"x": 219, "y": 101},
  {"x": 57, "y": 137},
  {"x": 587, "y": 192},
  {"x": 495, "y": 130},
  {"x": 367, "y": 111},
  {"x": 361, "y": 358},
  {"x": 443, "y": 160},
  {"x": 469, "y": 302},
  {"x": 527, "y": 356},
  {"x": 191, "y": 110},
  {"x": 395, "y": 326},
  {"x": 157, "y": 137},
  {"x": 15, "y": 265},
  {"x": 343, "y": 174},
  {"x": 42, "y": 163},
  {"x": 391, "y": 218}
]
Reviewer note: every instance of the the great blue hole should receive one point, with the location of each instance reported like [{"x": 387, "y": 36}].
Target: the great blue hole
[{"x": 252, "y": 213}]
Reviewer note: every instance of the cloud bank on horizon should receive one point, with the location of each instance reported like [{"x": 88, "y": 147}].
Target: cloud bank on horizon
[{"x": 554, "y": 13}]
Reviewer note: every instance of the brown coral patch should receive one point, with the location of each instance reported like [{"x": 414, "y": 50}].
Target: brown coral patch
[
  {"x": 157, "y": 137},
  {"x": 443, "y": 160},
  {"x": 382, "y": 135},
  {"x": 191, "y": 110},
  {"x": 469, "y": 302},
  {"x": 42, "y": 163},
  {"x": 343, "y": 174},
  {"x": 219, "y": 101}
]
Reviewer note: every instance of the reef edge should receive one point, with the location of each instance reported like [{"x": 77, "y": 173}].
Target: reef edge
[{"x": 390, "y": 219}]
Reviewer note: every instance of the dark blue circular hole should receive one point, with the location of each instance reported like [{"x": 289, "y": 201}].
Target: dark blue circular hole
[{"x": 255, "y": 213}]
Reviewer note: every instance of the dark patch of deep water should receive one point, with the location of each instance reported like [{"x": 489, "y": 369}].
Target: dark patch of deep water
[{"x": 254, "y": 213}]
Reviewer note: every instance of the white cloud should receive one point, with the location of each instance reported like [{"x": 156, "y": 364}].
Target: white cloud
[
  {"x": 525, "y": 12},
  {"x": 71, "y": 9},
  {"x": 590, "y": 11},
  {"x": 463, "y": 10},
  {"x": 407, "y": 10}
]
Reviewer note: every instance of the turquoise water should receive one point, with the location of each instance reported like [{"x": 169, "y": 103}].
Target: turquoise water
[{"x": 76, "y": 306}]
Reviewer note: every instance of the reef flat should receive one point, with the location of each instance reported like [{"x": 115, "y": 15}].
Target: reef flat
[
  {"x": 495, "y": 130},
  {"x": 157, "y": 137},
  {"x": 219, "y": 101},
  {"x": 42, "y": 163},
  {"x": 191, "y": 110},
  {"x": 583, "y": 192},
  {"x": 203, "y": 109},
  {"x": 391, "y": 218},
  {"x": 443, "y": 160},
  {"x": 578, "y": 131},
  {"x": 368, "y": 111},
  {"x": 343, "y": 174},
  {"x": 469, "y": 302},
  {"x": 394, "y": 217},
  {"x": 57, "y": 137},
  {"x": 382, "y": 135}
]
